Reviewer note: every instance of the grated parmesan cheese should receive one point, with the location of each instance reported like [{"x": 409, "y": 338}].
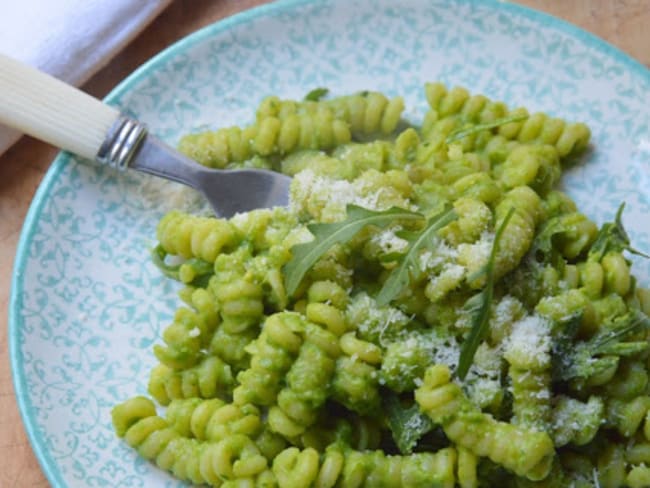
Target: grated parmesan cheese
[
  {"x": 441, "y": 255},
  {"x": 333, "y": 195},
  {"x": 388, "y": 242},
  {"x": 507, "y": 310},
  {"x": 372, "y": 321},
  {"x": 326, "y": 198},
  {"x": 529, "y": 344},
  {"x": 476, "y": 255},
  {"x": 166, "y": 195},
  {"x": 445, "y": 351}
]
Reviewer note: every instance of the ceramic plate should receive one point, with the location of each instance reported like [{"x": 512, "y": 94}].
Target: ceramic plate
[{"x": 87, "y": 305}]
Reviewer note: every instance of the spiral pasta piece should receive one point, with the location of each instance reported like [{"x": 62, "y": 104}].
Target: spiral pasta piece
[
  {"x": 190, "y": 236},
  {"x": 576, "y": 422},
  {"x": 210, "y": 378},
  {"x": 629, "y": 416},
  {"x": 467, "y": 475},
  {"x": 452, "y": 109},
  {"x": 272, "y": 355},
  {"x": 616, "y": 274},
  {"x": 273, "y": 106},
  {"x": 237, "y": 458},
  {"x": 459, "y": 166},
  {"x": 270, "y": 136},
  {"x": 217, "y": 149},
  {"x": 477, "y": 186},
  {"x": 318, "y": 130},
  {"x": 537, "y": 166},
  {"x": 238, "y": 296},
  {"x": 307, "y": 383},
  {"x": 526, "y": 452},
  {"x": 567, "y": 138},
  {"x": 326, "y": 306},
  {"x": 474, "y": 217},
  {"x": 368, "y": 113},
  {"x": 265, "y": 228},
  {"x": 321, "y": 164},
  {"x": 578, "y": 234},
  {"x": 520, "y": 231},
  {"x": 213, "y": 420},
  {"x": 189, "y": 415},
  {"x": 566, "y": 303},
  {"x": 355, "y": 431},
  {"x": 334, "y": 267},
  {"x": 497, "y": 149},
  {"x": 528, "y": 353},
  {"x": 457, "y": 103},
  {"x": 294, "y": 468},
  {"x": 531, "y": 398},
  {"x": 356, "y": 379},
  {"x": 185, "y": 338},
  {"x": 234, "y": 457},
  {"x": 136, "y": 421},
  {"x": 232, "y": 347},
  {"x": 638, "y": 476},
  {"x": 405, "y": 361},
  {"x": 240, "y": 301}
]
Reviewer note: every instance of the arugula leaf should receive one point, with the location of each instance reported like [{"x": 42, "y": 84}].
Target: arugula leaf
[
  {"x": 479, "y": 307},
  {"x": 620, "y": 328},
  {"x": 407, "y": 425},
  {"x": 545, "y": 247},
  {"x": 588, "y": 358},
  {"x": 612, "y": 237},
  {"x": 399, "y": 277},
  {"x": 201, "y": 270},
  {"x": 461, "y": 133},
  {"x": 305, "y": 255},
  {"x": 563, "y": 344},
  {"x": 542, "y": 248},
  {"x": 316, "y": 94}
]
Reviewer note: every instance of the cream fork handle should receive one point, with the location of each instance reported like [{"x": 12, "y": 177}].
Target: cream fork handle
[{"x": 50, "y": 110}]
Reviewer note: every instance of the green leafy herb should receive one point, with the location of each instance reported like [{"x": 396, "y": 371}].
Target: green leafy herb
[
  {"x": 601, "y": 352},
  {"x": 545, "y": 247},
  {"x": 461, "y": 133},
  {"x": 409, "y": 261},
  {"x": 613, "y": 333},
  {"x": 612, "y": 237},
  {"x": 479, "y": 307},
  {"x": 542, "y": 248},
  {"x": 199, "y": 270},
  {"x": 316, "y": 94},
  {"x": 563, "y": 344},
  {"x": 407, "y": 424},
  {"x": 304, "y": 256}
]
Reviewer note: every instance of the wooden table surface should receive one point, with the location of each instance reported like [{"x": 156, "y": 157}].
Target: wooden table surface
[{"x": 624, "y": 23}]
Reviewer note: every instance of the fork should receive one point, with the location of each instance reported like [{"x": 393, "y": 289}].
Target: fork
[{"x": 50, "y": 110}]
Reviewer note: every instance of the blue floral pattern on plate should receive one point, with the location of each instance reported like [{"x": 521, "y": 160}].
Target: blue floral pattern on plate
[{"x": 87, "y": 304}]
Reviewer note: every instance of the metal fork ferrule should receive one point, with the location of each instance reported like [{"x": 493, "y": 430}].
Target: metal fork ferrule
[{"x": 121, "y": 142}]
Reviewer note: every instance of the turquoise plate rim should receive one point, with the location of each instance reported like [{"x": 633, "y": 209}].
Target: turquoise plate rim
[{"x": 48, "y": 464}]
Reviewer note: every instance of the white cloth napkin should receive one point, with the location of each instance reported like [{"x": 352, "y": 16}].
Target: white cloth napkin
[{"x": 70, "y": 39}]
